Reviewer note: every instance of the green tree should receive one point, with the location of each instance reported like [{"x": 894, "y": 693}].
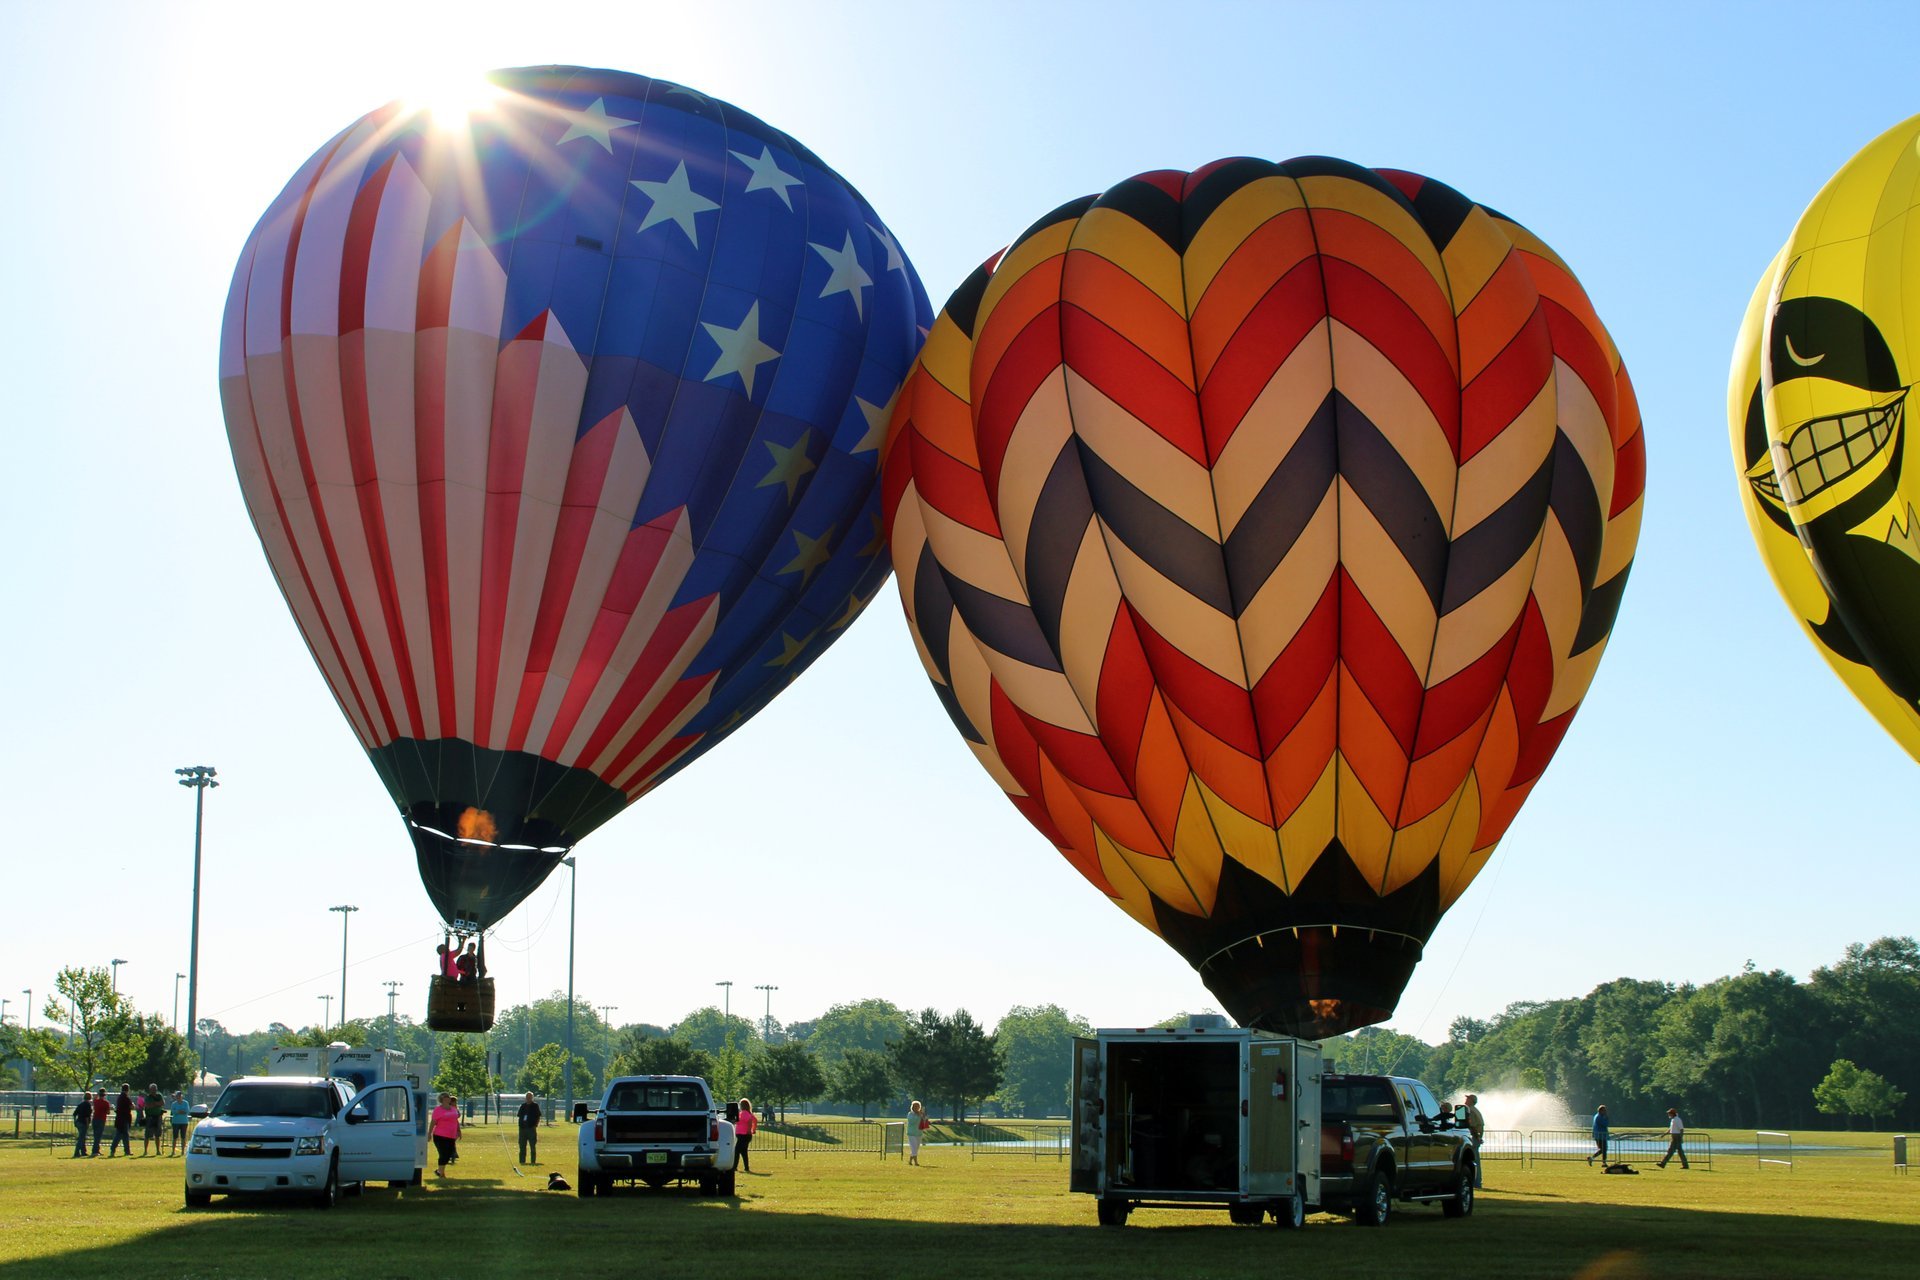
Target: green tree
[
  {"x": 1874, "y": 1096},
  {"x": 167, "y": 1063},
  {"x": 107, "y": 1041},
  {"x": 463, "y": 1068},
  {"x": 1872, "y": 999},
  {"x": 730, "y": 1065},
  {"x": 948, "y": 1058},
  {"x": 1851, "y": 1091},
  {"x": 784, "y": 1073},
  {"x": 545, "y": 1073},
  {"x": 871, "y": 1024},
  {"x": 1621, "y": 1046},
  {"x": 862, "y": 1078},
  {"x": 710, "y": 1029},
  {"x": 641, "y": 1055},
  {"x": 1036, "y": 1056}
]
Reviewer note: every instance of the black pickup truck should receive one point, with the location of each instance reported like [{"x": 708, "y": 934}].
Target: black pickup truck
[{"x": 1384, "y": 1138}]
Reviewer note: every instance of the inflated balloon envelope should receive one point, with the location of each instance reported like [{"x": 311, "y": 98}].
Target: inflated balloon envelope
[
  {"x": 1827, "y": 353},
  {"x": 559, "y": 421},
  {"x": 1261, "y": 529}
]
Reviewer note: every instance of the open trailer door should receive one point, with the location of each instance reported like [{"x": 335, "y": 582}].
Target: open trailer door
[{"x": 1089, "y": 1106}]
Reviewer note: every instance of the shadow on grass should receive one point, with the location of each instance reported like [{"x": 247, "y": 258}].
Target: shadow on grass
[{"x": 489, "y": 1230}]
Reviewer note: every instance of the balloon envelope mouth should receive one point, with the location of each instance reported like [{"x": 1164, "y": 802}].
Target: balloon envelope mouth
[
  {"x": 474, "y": 883},
  {"x": 1313, "y": 981}
]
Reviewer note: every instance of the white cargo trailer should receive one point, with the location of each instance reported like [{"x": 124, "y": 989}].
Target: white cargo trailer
[
  {"x": 363, "y": 1067},
  {"x": 1197, "y": 1117}
]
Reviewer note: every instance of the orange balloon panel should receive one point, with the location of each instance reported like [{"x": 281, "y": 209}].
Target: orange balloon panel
[{"x": 1261, "y": 528}]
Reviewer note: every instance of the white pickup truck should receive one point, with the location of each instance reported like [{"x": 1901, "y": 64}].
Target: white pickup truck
[
  {"x": 656, "y": 1130},
  {"x": 306, "y": 1135}
]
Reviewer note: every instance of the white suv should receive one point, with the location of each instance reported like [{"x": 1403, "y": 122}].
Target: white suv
[{"x": 305, "y": 1135}]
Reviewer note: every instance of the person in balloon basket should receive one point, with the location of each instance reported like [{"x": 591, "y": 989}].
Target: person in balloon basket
[
  {"x": 101, "y": 1110},
  {"x": 82, "y": 1121},
  {"x": 1599, "y": 1134},
  {"x": 1477, "y": 1129},
  {"x": 917, "y": 1126},
  {"x": 443, "y": 961},
  {"x": 1676, "y": 1138},
  {"x": 529, "y": 1118},
  {"x": 743, "y": 1130},
  {"x": 444, "y": 1125},
  {"x": 468, "y": 964}
]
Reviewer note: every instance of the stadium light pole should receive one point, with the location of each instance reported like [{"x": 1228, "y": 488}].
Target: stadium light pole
[
  {"x": 606, "y": 1016},
  {"x": 766, "y": 1026},
  {"x": 28, "y": 993},
  {"x": 573, "y": 901},
  {"x": 116, "y": 976},
  {"x": 326, "y": 1010},
  {"x": 393, "y": 987},
  {"x": 4, "y": 1002},
  {"x": 199, "y": 777},
  {"x": 345, "y": 914},
  {"x": 726, "y": 1001}
]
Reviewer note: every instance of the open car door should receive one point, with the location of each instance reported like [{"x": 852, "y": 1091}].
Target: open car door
[
  {"x": 380, "y": 1141},
  {"x": 1089, "y": 1107}
]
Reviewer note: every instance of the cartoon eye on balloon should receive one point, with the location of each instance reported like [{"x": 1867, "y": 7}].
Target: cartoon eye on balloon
[
  {"x": 559, "y": 422},
  {"x": 1825, "y": 359},
  {"x": 1261, "y": 529}
]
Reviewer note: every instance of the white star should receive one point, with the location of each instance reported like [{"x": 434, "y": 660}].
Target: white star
[
  {"x": 741, "y": 350},
  {"x": 675, "y": 201},
  {"x": 594, "y": 123},
  {"x": 894, "y": 261},
  {"x": 767, "y": 174},
  {"x": 848, "y": 275},
  {"x": 877, "y": 416}
]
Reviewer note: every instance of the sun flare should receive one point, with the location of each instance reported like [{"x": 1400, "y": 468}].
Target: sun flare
[{"x": 454, "y": 98}]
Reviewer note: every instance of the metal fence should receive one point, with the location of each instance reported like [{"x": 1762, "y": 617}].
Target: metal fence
[
  {"x": 1023, "y": 1139},
  {"x": 1502, "y": 1144},
  {"x": 1627, "y": 1147}
]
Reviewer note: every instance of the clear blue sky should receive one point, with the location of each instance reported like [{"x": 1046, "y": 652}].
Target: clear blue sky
[{"x": 1720, "y": 798}]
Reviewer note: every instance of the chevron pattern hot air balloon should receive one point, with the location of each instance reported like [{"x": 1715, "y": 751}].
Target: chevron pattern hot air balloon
[
  {"x": 560, "y": 426},
  {"x": 1261, "y": 528}
]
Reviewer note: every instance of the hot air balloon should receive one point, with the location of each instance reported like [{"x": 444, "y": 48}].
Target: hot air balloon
[
  {"x": 560, "y": 426},
  {"x": 1261, "y": 528},
  {"x": 1828, "y": 351}
]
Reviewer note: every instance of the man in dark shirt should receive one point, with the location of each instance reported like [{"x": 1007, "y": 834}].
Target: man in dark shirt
[
  {"x": 122, "y": 1122},
  {"x": 529, "y": 1131}
]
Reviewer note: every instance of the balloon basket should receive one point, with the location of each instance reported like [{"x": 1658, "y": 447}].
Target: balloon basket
[{"x": 460, "y": 1006}]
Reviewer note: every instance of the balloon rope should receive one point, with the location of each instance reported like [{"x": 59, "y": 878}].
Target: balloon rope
[{"x": 1499, "y": 866}]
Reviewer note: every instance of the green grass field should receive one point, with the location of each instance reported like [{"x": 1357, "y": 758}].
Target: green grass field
[{"x": 995, "y": 1217}]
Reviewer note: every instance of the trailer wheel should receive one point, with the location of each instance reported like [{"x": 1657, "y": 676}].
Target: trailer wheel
[
  {"x": 1111, "y": 1212},
  {"x": 1377, "y": 1205},
  {"x": 1291, "y": 1213}
]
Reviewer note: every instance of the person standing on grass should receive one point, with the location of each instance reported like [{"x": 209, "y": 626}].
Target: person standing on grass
[
  {"x": 1477, "y": 1128},
  {"x": 444, "y": 1125},
  {"x": 82, "y": 1121},
  {"x": 151, "y": 1119},
  {"x": 1599, "y": 1135},
  {"x": 179, "y": 1110},
  {"x": 101, "y": 1110},
  {"x": 1676, "y": 1135},
  {"x": 529, "y": 1117},
  {"x": 917, "y": 1126},
  {"x": 743, "y": 1130},
  {"x": 122, "y": 1122}
]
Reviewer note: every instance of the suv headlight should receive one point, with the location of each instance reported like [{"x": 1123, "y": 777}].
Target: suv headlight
[
  {"x": 309, "y": 1146},
  {"x": 201, "y": 1144}
]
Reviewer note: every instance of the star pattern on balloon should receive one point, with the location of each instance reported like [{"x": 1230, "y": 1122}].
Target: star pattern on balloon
[
  {"x": 856, "y": 604},
  {"x": 675, "y": 201},
  {"x": 741, "y": 351},
  {"x": 790, "y": 649},
  {"x": 767, "y": 174},
  {"x": 790, "y": 463},
  {"x": 847, "y": 275},
  {"x": 895, "y": 262},
  {"x": 877, "y": 416},
  {"x": 594, "y": 122},
  {"x": 814, "y": 552}
]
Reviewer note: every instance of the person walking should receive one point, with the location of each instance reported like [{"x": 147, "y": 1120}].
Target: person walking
[
  {"x": 529, "y": 1116},
  {"x": 1477, "y": 1128},
  {"x": 1676, "y": 1135},
  {"x": 1599, "y": 1135},
  {"x": 122, "y": 1123},
  {"x": 179, "y": 1110},
  {"x": 917, "y": 1126},
  {"x": 101, "y": 1110},
  {"x": 82, "y": 1121},
  {"x": 444, "y": 1125},
  {"x": 743, "y": 1130}
]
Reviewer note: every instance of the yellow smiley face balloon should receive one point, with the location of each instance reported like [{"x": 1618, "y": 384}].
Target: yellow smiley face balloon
[{"x": 1817, "y": 405}]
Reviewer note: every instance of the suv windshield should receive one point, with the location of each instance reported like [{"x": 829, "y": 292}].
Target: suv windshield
[
  {"x": 284, "y": 1101},
  {"x": 1358, "y": 1099}
]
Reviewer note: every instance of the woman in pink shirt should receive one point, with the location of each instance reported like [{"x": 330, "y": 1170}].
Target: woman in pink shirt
[
  {"x": 444, "y": 1125},
  {"x": 743, "y": 1130}
]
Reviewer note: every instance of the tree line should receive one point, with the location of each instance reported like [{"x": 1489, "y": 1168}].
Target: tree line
[{"x": 1753, "y": 1049}]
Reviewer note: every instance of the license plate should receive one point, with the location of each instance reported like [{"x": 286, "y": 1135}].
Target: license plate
[{"x": 656, "y": 1157}]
